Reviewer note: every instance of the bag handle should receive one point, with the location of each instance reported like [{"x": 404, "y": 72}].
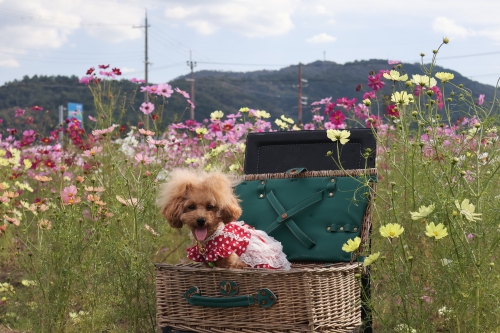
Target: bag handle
[{"x": 265, "y": 298}]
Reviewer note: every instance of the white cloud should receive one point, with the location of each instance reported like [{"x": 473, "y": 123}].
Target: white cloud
[
  {"x": 251, "y": 18},
  {"x": 450, "y": 29},
  {"x": 9, "y": 63},
  {"x": 321, "y": 38},
  {"x": 43, "y": 25},
  {"x": 127, "y": 70}
]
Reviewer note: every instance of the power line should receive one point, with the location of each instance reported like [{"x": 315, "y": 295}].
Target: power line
[
  {"x": 177, "y": 43},
  {"x": 469, "y": 55},
  {"x": 159, "y": 40},
  {"x": 237, "y": 64}
]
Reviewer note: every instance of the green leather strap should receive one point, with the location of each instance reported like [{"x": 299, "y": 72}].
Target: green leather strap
[
  {"x": 285, "y": 216},
  {"x": 265, "y": 298}
]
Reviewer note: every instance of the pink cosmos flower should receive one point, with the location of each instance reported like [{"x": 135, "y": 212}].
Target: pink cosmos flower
[
  {"x": 108, "y": 74},
  {"x": 165, "y": 89},
  {"x": 329, "y": 125},
  {"x": 375, "y": 82},
  {"x": 309, "y": 127},
  {"x": 93, "y": 119},
  {"x": 393, "y": 62},
  {"x": 86, "y": 79},
  {"x": 361, "y": 111},
  {"x": 68, "y": 194},
  {"x": 323, "y": 101},
  {"x": 103, "y": 131},
  {"x": 19, "y": 112},
  {"x": 318, "y": 118},
  {"x": 439, "y": 96},
  {"x": 91, "y": 152},
  {"x": 29, "y": 120},
  {"x": 480, "y": 101},
  {"x": 418, "y": 90},
  {"x": 337, "y": 118},
  {"x": 141, "y": 158},
  {"x": 103, "y": 66},
  {"x": 369, "y": 95},
  {"x": 36, "y": 108},
  {"x": 191, "y": 103},
  {"x": 392, "y": 110},
  {"x": 134, "y": 80},
  {"x": 145, "y": 132},
  {"x": 347, "y": 104},
  {"x": 182, "y": 92},
  {"x": 147, "y": 108},
  {"x": 329, "y": 107}
]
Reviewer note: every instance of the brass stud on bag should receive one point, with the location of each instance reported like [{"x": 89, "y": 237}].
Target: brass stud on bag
[
  {"x": 355, "y": 229},
  {"x": 328, "y": 228},
  {"x": 333, "y": 180},
  {"x": 283, "y": 216},
  {"x": 261, "y": 196},
  {"x": 262, "y": 182},
  {"x": 331, "y": 194},
  {"x": 341, "y": 228},
  {"x": 263, "y": 293}
]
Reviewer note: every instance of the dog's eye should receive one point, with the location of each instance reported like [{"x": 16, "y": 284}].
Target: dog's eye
[
  {"x": 191, "y": 207},
  {"x": 210, "y": 207}
]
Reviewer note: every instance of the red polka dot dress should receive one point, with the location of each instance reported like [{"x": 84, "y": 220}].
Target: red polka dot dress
[{"x": 254, "y": 247}]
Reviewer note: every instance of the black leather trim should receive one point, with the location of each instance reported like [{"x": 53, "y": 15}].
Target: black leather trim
[{"x": 274, "y": 152}]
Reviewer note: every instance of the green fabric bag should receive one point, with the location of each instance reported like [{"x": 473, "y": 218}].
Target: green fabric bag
[{"x": 311, "y": 213}]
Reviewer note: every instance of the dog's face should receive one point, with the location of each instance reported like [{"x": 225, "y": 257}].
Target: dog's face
[
  {"x": 201, "y": 201},
  {"x": 201, "y": 213}
]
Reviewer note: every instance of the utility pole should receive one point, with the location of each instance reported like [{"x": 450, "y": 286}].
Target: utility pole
[
  {"x": 302, "y": 99},
  {"x": 191, "y": 64},
  {"x": 146, "y": 62},
  {"x": 300, "y": 94}
]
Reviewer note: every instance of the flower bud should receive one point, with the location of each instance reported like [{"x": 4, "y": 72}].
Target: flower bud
[
  {"x": 422, "y": 54},
  {"x": 449, "y": 99},
  {"x": 455, "y": 213},
  {"x": 435, "y": 51},
  {"x": 329, "y": 153},
  {"x": 477, "y": 125},
  {"x": 414, "y": 113},
  {"x": 408, "y": 83},
  {"x": 492, "y": 264},
  {"x": 461, "y": 85},
  {"x": 454, "y": 160},
  {"x": 446, "y": 40},
  {"x": 410, "y": 258},
  {"x": 463, "y": 173}
]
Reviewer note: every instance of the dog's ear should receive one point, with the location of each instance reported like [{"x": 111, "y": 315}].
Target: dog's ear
[
  {"x": 173, "y": 195},
  {"x": 221, "y": 187}
]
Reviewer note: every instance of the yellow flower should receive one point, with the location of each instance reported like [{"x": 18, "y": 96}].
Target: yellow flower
[
  {"x": 27, "y": 164},
  {"x": 4, "y": 162},
  {"x": 424, "y": 81},
  {"x": 281, "y": 124},
  {"x": 208, "y": 167},
  {"x": 201, "y": 131},
  {"x": 234, "y": 167},
  {"x": 402, "y": 98},
  {"x": 296, "y": 128},
  {"x": 371, "y": 259},
  {"x": 391, "y": 230},
  {"x": 288, "y": 120},
  {"x": 423, "y": 211},
  {"x": 436, "y": 231},
  {"x": 28, "y": 283},
  {"x": 467, "y": 210},
  {"x": 351, "y": 245},
  {"x": 216, "y": 115},
  {"x": 262, "y": 114},
  {"x": 2, "y": 152},
  {"x": 335, "y": 135},
  {"x": 244, "y": 109},
  {"x": 395, "y": 76},
  {"x": 445, "y": 77},
  {"x": 191, "y": 160}
]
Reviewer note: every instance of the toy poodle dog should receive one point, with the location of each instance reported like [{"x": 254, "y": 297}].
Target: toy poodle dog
[{"x": 205, "y": 203}]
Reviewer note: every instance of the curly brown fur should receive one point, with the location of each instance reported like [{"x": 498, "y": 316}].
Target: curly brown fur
[{"x": 200, "y": 200}]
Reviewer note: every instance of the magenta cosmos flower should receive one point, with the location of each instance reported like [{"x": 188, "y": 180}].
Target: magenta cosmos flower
[
  {"x": 337, "y": 118},
  {"x": 147, "y": 108}
]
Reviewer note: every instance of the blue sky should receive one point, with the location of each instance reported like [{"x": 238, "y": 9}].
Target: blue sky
[{"x": 61, "y": 37}]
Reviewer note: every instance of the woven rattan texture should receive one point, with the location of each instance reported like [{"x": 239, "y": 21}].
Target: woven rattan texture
[{"x": 311, "y": 298}]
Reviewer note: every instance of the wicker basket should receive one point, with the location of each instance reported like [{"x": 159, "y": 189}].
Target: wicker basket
[{"x": 310, "y": 298}]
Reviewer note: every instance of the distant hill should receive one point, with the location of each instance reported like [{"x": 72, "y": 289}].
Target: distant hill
[{"x": 272, "y": 90}]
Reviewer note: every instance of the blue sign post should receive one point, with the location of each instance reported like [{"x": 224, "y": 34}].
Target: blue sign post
[{"x": 75, "y": 110}]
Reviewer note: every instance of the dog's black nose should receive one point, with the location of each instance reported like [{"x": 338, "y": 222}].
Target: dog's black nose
[{"x": 200, "y": 221}]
